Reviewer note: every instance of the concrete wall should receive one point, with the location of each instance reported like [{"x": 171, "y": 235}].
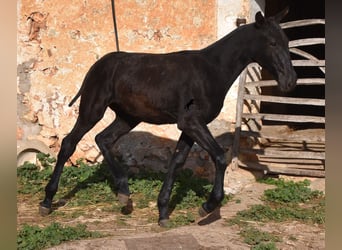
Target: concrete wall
[{"x": 59, "y": 40}]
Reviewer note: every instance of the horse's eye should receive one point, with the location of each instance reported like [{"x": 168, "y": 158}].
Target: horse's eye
[{"x": 273, "y": 43}]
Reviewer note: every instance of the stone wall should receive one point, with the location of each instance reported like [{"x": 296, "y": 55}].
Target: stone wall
[{"x": 59, "y": 40}]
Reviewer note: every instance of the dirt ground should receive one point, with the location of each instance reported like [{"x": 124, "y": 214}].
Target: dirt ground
[{"x": 212, "y": 232}]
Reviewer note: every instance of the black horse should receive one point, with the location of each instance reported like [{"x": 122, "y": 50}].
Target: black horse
[{"x": 187, "y": 88}]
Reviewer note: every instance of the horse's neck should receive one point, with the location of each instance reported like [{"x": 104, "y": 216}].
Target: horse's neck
[{"x": 231, "y": 53}]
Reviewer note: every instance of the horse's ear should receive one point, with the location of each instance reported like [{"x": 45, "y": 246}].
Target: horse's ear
[
  {"x": 278, "y": 17},
  {"x": 259, "y": 19}
]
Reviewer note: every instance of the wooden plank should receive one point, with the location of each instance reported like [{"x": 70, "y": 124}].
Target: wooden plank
[
  {"x": 253, "y": 71},
  {"x": 281, "y": 145},
  {"x": 288, "y": 100},
  {"x": 306, "y": 55},
  {"x": 279, "y": 138},
  {"x": 282, "y": 170},
  {"x": 301, "y": 23},
  {"x": 282, "y": 133},
  {"x": 300, "y": 81},
  {"x": 284, "y": 118},
  {"x": 305, "y": 163},
  {"x": 285, "y": 154},
  {"x": 306, "y": 42},
  {"x": 302, "y": 164},
  {"x": 238, "y": 122},
  {"x": 308, "y": 63}
]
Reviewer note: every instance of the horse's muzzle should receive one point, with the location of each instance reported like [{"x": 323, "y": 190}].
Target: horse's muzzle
[{"x": 287, "y": 82}]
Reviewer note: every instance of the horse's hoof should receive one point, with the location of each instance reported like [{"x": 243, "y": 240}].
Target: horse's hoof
[
  {"x": 44, "y": 211},
  {"x": 123, "y": 199},
  {"x": 202, "y": 212},
  {"x": 164, "y": 223},
  {"x": 128, "y": 208}
]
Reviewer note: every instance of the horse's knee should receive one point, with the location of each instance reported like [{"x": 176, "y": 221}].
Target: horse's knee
[{"x": 179, "y": 159}]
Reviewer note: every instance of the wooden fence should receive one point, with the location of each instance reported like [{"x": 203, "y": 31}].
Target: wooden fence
[{"x": 279, "y": 149}]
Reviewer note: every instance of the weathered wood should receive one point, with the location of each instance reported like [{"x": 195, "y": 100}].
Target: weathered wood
[
  {"x": 239, "y": 111},
  {"x": 287, "y": 137},
  {"x": 285, "y": 118},
  {"x": 300, "y": 23},
  {"x": 283, "y": 151},
  {"x": 306, "y": 55},
  {"x": 282, "y": 170},
  {"x": 282, "y": 133},
  {"x": 300, "y": 81},
  {"x": 308, "y": 63},
  {"x": 285, "y": 145},
  {"x": 306, "y": 42},
  {"x": 285, "y": 154},
  {"x": 292, "y": 162},
  {"x": 295, "y": 145},
  {"x": 289, "y": 100},
  {"x": 254, "y": 72}
]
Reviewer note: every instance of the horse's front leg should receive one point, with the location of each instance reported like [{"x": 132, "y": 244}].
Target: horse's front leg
[
  {"x": 200, "y": 133},
  {"x": 178, "y": 159},
  {"x": 217, "y": 193}
]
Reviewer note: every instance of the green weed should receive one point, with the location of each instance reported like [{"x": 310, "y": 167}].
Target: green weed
[
  {"x": 257, "y": 238},
  {"x": 182, "y": 219},
  {"x": 35, "y": 238},
  {"x": 265, "y": 246},
  {"x": 265, "y": 213},
  {"x": 290, "y": 191},
  {"x": 87, "y": 185},
  {"x": 288, "y": 201},
  {"x": 30, "y": 179}
]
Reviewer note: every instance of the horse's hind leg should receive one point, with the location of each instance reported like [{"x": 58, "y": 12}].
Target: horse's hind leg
[
  {"x": 105, "y": 140},
  {"x": 178, "y": 159},
  {"x": 85, "y": 121}
]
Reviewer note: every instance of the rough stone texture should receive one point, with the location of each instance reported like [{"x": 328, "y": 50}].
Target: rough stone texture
[{"x": 59, "y": 41}]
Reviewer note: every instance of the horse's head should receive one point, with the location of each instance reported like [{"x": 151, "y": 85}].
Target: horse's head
[{"x": 272, "y": 51}]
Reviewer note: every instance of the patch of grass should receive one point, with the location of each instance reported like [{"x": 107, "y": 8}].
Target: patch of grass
[
  {"x": 266, "y": 213},
  {"x": 257, "y": 238},
  {"x": 30, "y": 179},
  {"x": 182, "y": 219},
  {"x": 290, "y": 191},
  {"x": 88, "y": 185},
  {"x": 189, "y": 190},
  {"x": 288, "y": 201},
  {"x": 35, "y": 238},
  {"x": 265, "y": 246},
  {"x": 145, "y": 187}
]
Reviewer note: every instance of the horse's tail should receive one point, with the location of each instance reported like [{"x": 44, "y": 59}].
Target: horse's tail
[
  {"x": 75, "y": 98},
  {"x": 79, "y": 93},
  {"x": 91, "y": 71}
]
